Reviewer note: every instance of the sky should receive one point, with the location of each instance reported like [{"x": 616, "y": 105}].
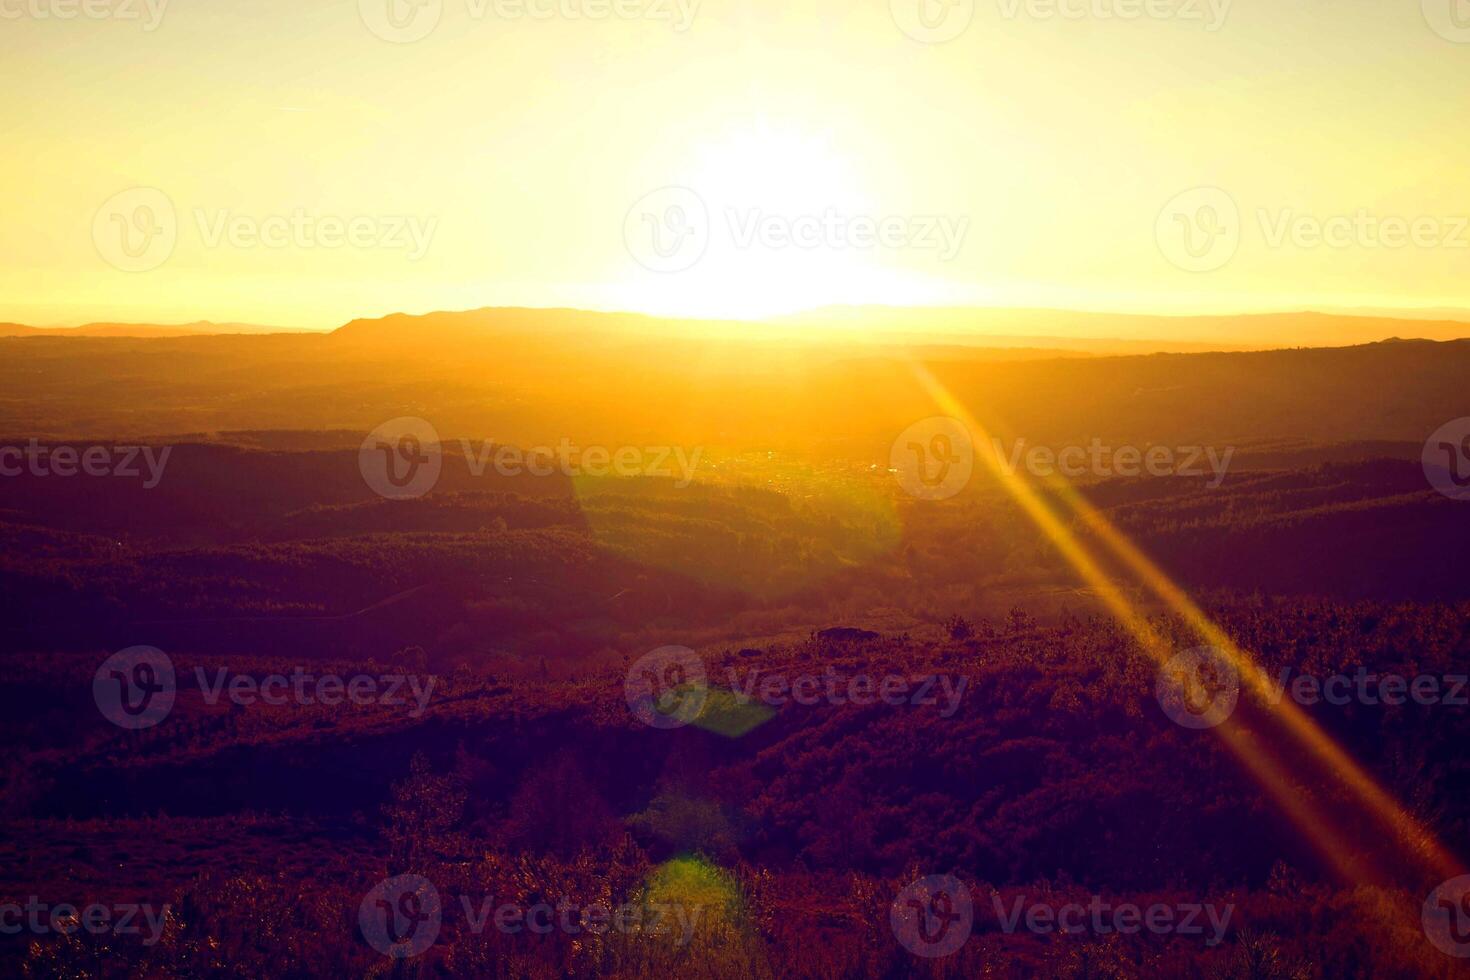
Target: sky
[{"x": 303, "y": 164}]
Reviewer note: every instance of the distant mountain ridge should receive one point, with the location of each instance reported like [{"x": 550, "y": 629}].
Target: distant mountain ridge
[
  {"x": 1306, "y": 328},
  {"x": 536, "y": 375},
  {"x": 1081, "y": 331},
  {"x": 199, "y": 328},
  {"x": 1063, "y": 330}
]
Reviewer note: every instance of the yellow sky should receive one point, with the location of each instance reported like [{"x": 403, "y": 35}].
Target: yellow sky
[{"x": 281, "y": 162}]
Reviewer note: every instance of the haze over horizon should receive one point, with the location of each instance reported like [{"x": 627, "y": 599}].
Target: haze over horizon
[{"x": 1095, "y": 330}]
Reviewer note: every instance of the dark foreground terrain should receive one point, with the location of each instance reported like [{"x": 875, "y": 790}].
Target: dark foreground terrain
[{"x": 895, "y": 736}]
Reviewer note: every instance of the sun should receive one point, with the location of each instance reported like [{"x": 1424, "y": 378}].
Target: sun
[
  {"x": 782, "y": 202},
  {"x": 783, "y": 169}
]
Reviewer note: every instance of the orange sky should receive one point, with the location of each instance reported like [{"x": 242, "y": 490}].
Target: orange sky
[{"x": 305, "y": 164}]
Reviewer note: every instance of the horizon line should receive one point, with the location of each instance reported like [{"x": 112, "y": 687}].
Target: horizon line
[{"x": 1407, "y": 314}]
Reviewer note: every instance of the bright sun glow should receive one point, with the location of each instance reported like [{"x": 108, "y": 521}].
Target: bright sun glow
[
  {"x": 518, "y": 147},
  {"x": 785, "y": 208}
]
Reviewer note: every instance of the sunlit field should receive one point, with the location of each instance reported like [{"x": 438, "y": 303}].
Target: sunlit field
[{"x": 686, "y": 488}]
